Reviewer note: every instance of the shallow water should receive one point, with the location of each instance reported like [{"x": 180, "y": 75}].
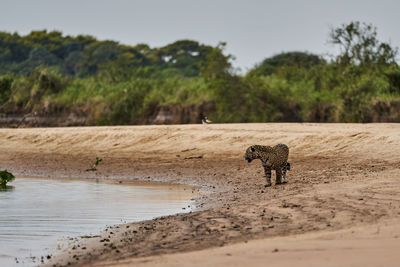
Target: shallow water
[{"x": 37, "y": 214}]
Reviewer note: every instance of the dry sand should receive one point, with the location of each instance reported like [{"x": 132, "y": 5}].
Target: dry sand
[{"x": 341, "y": 206}]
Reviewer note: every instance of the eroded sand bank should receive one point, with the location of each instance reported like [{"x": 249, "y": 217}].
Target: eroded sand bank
[{"x": 343, "y": 176}]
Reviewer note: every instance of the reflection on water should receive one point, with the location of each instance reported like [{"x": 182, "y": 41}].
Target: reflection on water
[
  {"x": 4, "y": 188},
  {"x": 35, "y": 213}
]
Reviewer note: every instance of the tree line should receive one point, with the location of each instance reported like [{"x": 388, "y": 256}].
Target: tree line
[{"x": 111, "y": 83}]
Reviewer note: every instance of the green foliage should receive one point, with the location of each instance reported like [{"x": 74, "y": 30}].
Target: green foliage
[
  {"x": 109, "y": 83},
  {"x": 185, "y": 55},
  {"x": 227, "y": 88},
  {"x": 98, "y": 160},
  {"x": 286, "y": 60},
  {"x": 31, "y": 92},
  {"x": 393, "y": 77},
  {"x": 5, "y": 177},
  {"x": 95, "y": 164},
  {"x": 359, "y": 45},
  {"x": 5, "y": 87},
  {"x": 85, "y": 56}
]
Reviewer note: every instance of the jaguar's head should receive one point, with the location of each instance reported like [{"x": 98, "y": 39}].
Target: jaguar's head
[{"x": 250, "y": 154}]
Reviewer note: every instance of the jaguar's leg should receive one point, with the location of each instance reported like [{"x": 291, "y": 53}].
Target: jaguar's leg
[
  {"x": 278, "y": 176},
  {"x": 268, "y": 174},
  {"x": 284, "y": 169}
]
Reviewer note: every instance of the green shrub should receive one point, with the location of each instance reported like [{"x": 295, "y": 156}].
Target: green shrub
[
  {"x": 5, "y": 87},
  {"x": 5, "y": 177}
]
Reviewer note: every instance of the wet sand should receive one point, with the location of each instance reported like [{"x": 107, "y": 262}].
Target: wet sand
[{"x": 343, "y": 183}]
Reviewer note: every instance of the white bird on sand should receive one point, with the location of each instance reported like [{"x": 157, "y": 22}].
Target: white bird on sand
[{"x": 205, "y": 120}]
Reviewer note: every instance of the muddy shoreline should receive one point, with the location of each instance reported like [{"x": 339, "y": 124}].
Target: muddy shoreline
[{"x": 343, "y": 175}]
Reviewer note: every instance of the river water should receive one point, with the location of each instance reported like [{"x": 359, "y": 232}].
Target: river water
[{"x": 39, "y": 215}]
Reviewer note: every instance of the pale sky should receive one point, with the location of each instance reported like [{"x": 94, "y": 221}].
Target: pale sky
[{"x": 253, "y": 29}]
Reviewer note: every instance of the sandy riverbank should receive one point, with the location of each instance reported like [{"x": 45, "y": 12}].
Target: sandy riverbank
[{"x": 343, "y": 176}]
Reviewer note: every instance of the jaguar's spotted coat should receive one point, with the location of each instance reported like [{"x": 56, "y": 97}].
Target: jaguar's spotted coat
[{"x": 272, "y": 158}]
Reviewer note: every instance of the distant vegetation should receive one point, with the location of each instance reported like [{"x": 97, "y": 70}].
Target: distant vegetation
[{"x": 108, "y": 83}]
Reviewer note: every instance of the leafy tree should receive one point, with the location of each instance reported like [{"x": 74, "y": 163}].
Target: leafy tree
[
  {"x": 216, "y": 65},
  {"x": 41, "y": 56},
  {"x": 5, "y": 87},
  {"x": 393, "y": 76},
  {"x": 69, "y": 47},
  {"x": 52, "y": 41},
  {"x": 289, "y": 59},
  {"x": 228, "y": 88},
  {"x": 359, "y": 44},
  {"x": 99, "y": 53},
  {"x": 184, "y": 55},
  {"x": 73, "y": 62}
]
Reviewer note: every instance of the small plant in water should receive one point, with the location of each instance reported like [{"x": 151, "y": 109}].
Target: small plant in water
[
  {"x": 5, "y": 177},
  {"x": 94, "y": 166}
]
